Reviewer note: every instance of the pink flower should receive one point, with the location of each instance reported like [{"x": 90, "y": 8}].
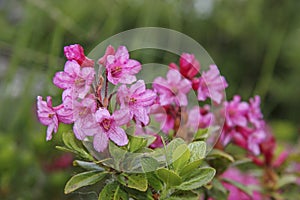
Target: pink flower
[
  {"x": 138, "y": 100},
  {"x": 85, "y": 123},
  {"x": 212, "y": 85},
  {"x": 121, "y": 69},
  {"x": 110, "y": 128},
  {"x": 65, "y": 110},
  {"x": 109, "y": 51},
  {"x": 75, "y": 52},
  {"x": 189, "y": 65},
  {"x": 240, "y": 128},
  {"x": 200, "y": 117},
  {"x": 75, "y": 77},
  {"x": 255, "y": 116},
  {"x": 242, "y": 178},
  {"x": 172, "y": 89},
  {"x": 236, "y": 112},
  {"x": 47, "y": 115}
]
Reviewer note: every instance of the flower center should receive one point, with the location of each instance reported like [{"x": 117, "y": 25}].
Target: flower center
[
  {"x": 116, "y": 71},
  {"x": 106, "y": 124},
  {"x": 132, "y": 100},
  {"x": 79, "y": 82}
]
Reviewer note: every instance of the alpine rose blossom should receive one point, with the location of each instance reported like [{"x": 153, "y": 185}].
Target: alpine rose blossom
[
  {"x": 76, "y": 78},
  {"x": 211, "y": 85},
  {"x": 85, "y": 122},
  {"x": 138, "y": 100},
  {"x": 75, "y": 52},
  {"x": 189, "y": 65},
  {"x": 110, "y": 128},
  {"x": 236, "y": 112},
  {"x": 47, "y": 115},
  {"x": 173, "y": 89},
  {"x": 121, "y": 69}
]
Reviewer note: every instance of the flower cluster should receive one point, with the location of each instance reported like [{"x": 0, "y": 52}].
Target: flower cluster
[
  {"x": 100, "y": 115},
  {"x": 85, "y": 105},
  {"x": 244, "y": 124}
]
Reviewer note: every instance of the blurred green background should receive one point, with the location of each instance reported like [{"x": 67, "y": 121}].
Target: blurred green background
[{"x": 255, "y": 43}]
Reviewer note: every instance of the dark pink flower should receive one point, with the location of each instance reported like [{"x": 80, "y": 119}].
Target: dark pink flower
[
  {"x": 240, "y": 128},
  {"x": 236, "y": 112},
  {"x": 254, "y": 114},
  {"x": 110, "y": 128},
  {"x": 74, "y": 77},
  {"x": 138, "y": 100},
  {"x": 75, "y": 52},
  {"x": 121, "y": 69},
  {"x": 211, "y": 85},
  {"x": 173, "y": 89},
  {"x": 47, "y": 115},
  {"x": 189, "y": 65},
  {"x": 244, "y": 179}
]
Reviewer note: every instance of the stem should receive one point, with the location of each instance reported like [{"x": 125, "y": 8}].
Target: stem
[{"x": 106, "y": 85}]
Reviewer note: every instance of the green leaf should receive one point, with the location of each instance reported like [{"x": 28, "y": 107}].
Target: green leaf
[
  {"x": 286, "y": 179},
  {"x": 75, "y": 146},
  {"x": 135, "y": 181},
  {"x": 186, "y": 195},
  {"x": 190, "y": 167},
  {"x": 149, "y": 164},
  {"x": 169, "y": 177},
  {"x": 170, "y": 148},
  {"x": 154, "y": 181},
  {"x": 71, "y": 142},
  {"x": 215, "y": 153},
  {"x": 239, "y": 186},
  {"x": 112, "y": 191},
  {"x": 198, "y": 150},
  {"x": 84, "y": 179},
  {"x": 201, "y": 134},
  {"x": 136, "y": 143},
  {"x": 87, "y": 165},
  {"x": 118, "y": 154},
  {"x": 180, "y": 157},
  {"x": 198, "y": 178}
]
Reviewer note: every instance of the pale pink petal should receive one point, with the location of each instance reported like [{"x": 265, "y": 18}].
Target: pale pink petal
[
  {"x": 121, "y": 117},
  {"x": 100, "y": 142},
  {"x": 118, "y": 136},
  {"x": 102, "y": 114},
  {"x": 173, "y": 76}
]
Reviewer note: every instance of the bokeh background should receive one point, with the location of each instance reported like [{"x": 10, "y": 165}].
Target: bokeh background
[{"x": 255, "y": 43}]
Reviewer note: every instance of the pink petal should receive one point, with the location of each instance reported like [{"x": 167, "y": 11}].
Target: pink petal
[
  {"x": 121, "y": 117},
  {"x": 63, "y": 80},
  {"x": 102, "y": 114},
  {"x": 122, "y": 54},
  {"x": 72, "y": 68},
  {"x": 173, "y": 76},
  {"x": 138, "y": 88},
  {"x": 100, "y": 142},
  {"x": 118, "y": 136}
]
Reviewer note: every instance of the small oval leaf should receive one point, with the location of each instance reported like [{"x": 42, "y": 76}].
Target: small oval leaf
[{"x": 84, "y": 179}]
